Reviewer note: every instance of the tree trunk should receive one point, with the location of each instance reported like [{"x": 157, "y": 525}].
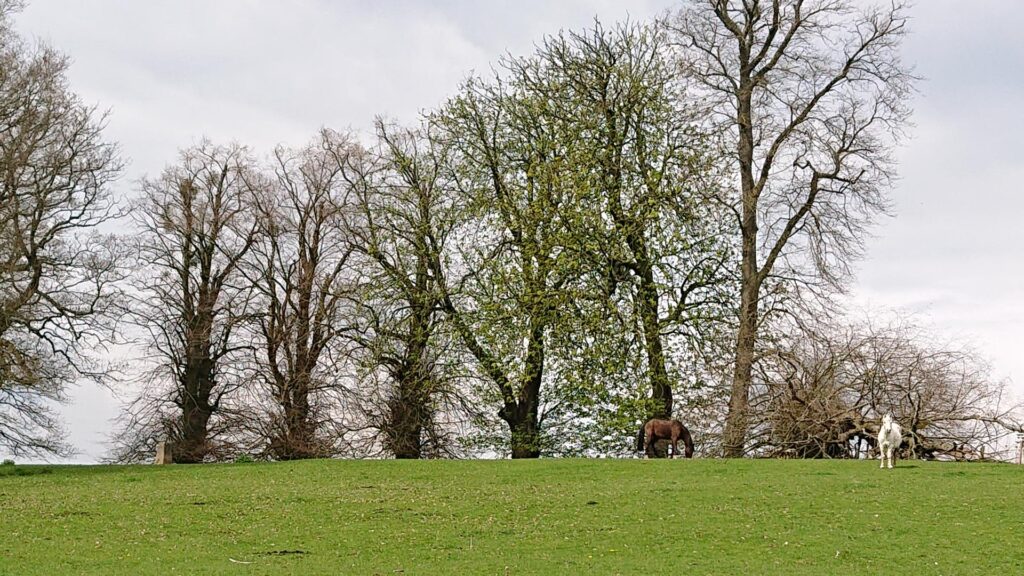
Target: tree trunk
[
  {"x": 525, "y": 431},
  {"x": 737, "y": 420},
  {"x": 191, "y": 447},
  {"x": 410, "y": 411},
  {"x": 298, "y": 439},
  {"x": 661, "y": 389},
  {"x": 521, "y": 416},
  {"x": 525, "y": 437},
  {"x": 406, "y": 431}
]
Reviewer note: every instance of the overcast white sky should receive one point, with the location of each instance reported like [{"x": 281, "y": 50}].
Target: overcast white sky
[{"x": 264, "y": 73}]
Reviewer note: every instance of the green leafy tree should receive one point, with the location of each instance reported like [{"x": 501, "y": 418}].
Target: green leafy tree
[
  {"x": 593, "y": 233},
  {"x": 647, "y": 218},
  {"x": 403, "y": 215},
  {"x": 507, "y": 272}
]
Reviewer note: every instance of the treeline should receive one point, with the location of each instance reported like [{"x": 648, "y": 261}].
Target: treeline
[
  {"x": 633, "y": 221},
  {"x": 524, "y": 262}
]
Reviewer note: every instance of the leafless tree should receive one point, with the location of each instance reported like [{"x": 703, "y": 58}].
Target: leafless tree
[
  {"x": 57, "y": 272},
  {"x": 813, "y": 95},
  {"x": 823, "y": 391},
  {"x": 196, "y": 228},
  {"x": 302, "y": 270}
]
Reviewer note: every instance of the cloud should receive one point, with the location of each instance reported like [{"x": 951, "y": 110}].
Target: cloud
[{"x": 953, "y": 249}]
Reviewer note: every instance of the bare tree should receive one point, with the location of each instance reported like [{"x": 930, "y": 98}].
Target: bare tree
[
  {"x": 196, "y": 229},
  {"x": 57, "y": 273},
  {"x": 813, "y": 95},
  {"x": 823, "y": 391},
  {"x": 302, "y": 271}
]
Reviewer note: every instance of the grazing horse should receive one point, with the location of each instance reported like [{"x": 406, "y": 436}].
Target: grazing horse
[
  {"x": 890, "y": 436},
  {"x": 657, "y": 429}
]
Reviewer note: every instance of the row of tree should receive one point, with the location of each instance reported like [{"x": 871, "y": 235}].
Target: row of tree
[
  {"x": 630, "y": 222},
  {"x": 540, "y": 228}
]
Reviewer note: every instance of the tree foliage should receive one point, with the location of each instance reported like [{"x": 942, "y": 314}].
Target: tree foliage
[
  {"x": 630, "y": 221},
  {"x": 589, "y": 194},
  {"x": 647, "y": 218}
]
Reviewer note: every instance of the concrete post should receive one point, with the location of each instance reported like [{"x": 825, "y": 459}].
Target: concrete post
[{"x": 164, "y": 453}]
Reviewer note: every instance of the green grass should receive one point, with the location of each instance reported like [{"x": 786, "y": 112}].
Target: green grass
[{"x": 560, "y": 517}]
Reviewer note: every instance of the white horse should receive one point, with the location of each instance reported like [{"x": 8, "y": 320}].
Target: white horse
[{"x": 890, "y": 435}]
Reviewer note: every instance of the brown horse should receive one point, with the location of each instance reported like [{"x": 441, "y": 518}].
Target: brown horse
[{"x": 657, "y": 429}]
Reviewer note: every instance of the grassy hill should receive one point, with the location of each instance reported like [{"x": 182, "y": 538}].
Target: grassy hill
[{"x": 514, "y": 517}]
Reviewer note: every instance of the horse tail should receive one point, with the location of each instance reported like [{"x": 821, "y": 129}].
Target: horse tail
[
  {"x": 688, "y": 441},
  {"x": 640, "y": 437}
]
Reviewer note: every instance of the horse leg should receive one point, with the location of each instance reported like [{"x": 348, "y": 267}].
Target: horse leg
[
  {"x": 881, "y": 456},
  {"x": 675, "y": 446},
  {"x": 647, "y": 445}
]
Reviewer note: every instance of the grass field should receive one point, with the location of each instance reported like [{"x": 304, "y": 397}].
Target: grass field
[{"x": 561, "y": 517}]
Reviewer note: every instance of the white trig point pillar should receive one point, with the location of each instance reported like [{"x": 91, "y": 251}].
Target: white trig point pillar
[
  {"x": 164, "y": 453},
  {"x": 1020, "y": 447}
]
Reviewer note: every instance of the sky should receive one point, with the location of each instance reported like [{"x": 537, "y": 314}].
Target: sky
[{"x": 264, "y": 73}]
